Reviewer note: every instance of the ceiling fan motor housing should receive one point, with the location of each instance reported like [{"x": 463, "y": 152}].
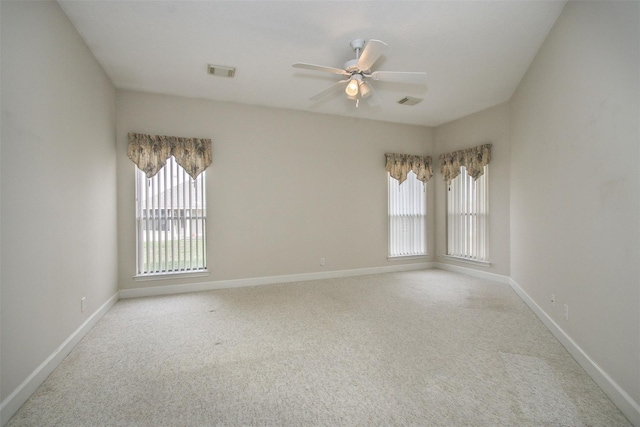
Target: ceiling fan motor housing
[{"x": 351, "y": 66}]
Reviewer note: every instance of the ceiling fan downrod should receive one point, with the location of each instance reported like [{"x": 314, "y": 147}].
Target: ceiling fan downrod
[{"x": 357, "y": 46}]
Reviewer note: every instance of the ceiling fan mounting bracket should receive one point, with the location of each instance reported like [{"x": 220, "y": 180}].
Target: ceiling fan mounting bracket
[{"x": 357, "y": 44}]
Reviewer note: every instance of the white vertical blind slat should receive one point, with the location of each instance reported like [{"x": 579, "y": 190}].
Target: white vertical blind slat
[
  {"x": 173, "y": 219},
  {"x": 148, "y": 224},
  {"x": 185, "y": 221},
  {"x": 203, "y": 216},
  {"x": 140, "y": 225},
  {"x": 153, "y": 222},
  {"x": 165, "y": 219}
]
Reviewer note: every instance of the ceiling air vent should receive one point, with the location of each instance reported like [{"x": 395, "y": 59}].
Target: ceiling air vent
[
  {"x": 408, "y": 100},
  {"x": 221, "y": 71}
]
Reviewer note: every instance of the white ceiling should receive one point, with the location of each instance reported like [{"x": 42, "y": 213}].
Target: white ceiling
[{"x": 474, "y": 52}]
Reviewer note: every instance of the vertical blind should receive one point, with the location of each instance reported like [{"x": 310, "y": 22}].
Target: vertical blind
[
  {"x": 407, "y": 214},
  {"x": 467, "y": 213},
  {"x": 170, "y": 221}
]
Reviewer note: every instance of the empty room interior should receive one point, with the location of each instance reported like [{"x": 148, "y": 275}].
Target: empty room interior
[{"x": 320, "y": 213}]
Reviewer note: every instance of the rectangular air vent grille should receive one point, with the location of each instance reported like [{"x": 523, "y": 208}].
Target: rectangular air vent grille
[
  {"x": 408, "y": 100},
  {"x": 221, "y": 71}
]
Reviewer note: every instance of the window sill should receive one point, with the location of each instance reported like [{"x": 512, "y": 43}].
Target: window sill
[
  {"x": 407, "y": 257},
  {"x": 164, "y": 276},
  {"x": 466, "y": 260}
]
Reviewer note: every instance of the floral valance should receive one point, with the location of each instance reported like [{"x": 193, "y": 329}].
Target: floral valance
[
  {"x": 473, "y": 159},
  {"x": 151, "y": 152},
  {"x": 399, "y": 165}
]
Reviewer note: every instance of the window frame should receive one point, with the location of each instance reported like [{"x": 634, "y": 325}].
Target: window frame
[{"x": 175, "y": 210}]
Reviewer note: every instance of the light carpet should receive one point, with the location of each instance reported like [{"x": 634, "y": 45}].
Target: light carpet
[{"x": 427, "y": 348}]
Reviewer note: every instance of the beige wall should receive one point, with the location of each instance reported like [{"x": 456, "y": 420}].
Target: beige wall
[
  {"x": 285, "y": 188},
  {"x": 58, "y": 186},
  {"x": 575, "y": 183},
  {"x": 488, "y": 126}
]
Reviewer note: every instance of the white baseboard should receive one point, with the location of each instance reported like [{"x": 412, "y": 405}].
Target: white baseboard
[
  {"x": 473, "y": 272},
  {"x": 21, "y": 394},
  {"x": 257, "y": 281},
  {"x": 624, "y": 402}
]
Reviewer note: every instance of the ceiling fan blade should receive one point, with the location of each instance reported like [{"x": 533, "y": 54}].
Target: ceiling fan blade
[
  {"x": 328, "y": 90},
  {"x": 372, "y": 51},
  {"x": 320, "y": 68},
  {"x": 400, "y": 77}
]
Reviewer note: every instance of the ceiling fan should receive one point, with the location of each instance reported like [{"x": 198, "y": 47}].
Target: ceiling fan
[{"x": 358, "y": 75}]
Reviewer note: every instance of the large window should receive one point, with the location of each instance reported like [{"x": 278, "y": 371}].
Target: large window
[
  {"x": 171, "y": 221},
  {"x": 467, "y": 217},
  {"x": 407, "y": 217}
]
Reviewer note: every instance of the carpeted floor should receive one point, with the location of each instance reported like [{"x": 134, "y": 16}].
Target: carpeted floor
[{"x": 428, "y": 348}]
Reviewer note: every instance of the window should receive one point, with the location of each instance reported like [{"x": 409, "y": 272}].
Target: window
[
  {"x": 171, "y": 221},
  {"x": 407, "y": 217},
  {"x": 467, "y": 217}
]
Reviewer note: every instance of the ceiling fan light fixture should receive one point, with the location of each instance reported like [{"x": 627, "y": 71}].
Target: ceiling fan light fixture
[
  {"x": 365, "y": 90},
  {"x": 352, "y": 87}
]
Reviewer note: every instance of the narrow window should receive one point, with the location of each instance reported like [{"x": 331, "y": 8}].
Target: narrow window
[
  {"x": 407, "y": 217},
  {"x": 467, "y": 217},
  {"x": 171, "y": 221}
]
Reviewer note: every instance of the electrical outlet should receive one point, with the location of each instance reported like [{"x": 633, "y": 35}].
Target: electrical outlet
[
  {"x": 553, "y": 299},
  {"x": 321, "y": 261},
  {"x": 566, "y": 311},
  {"x": 83, "y": 300}
]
